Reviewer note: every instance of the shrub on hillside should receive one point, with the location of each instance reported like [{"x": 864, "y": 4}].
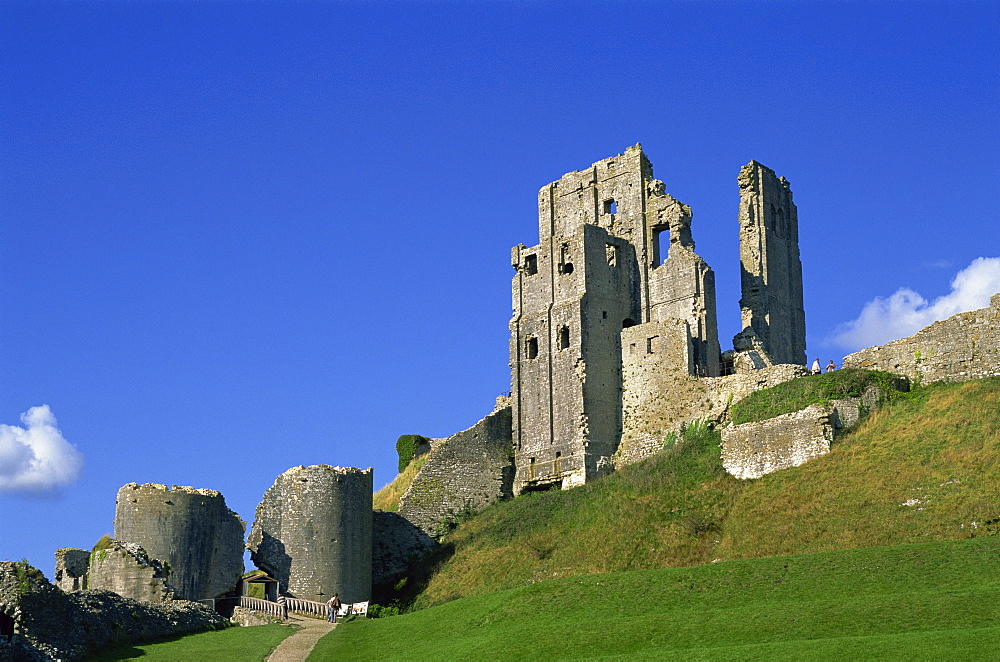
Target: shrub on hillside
[{"x": 406, "y": 447}]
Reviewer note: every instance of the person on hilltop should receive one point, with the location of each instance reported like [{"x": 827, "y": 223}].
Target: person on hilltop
[
  {"x": 831, "y": 366},
  {"x": 815, "y": 367},
  {"x": 332, "y": 607}
]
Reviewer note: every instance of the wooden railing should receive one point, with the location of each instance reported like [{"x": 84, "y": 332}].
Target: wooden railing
[
  {"x": 306, "y": 606},
  {"x": 266, "y": 606},
  {"x": 299, "y": 605}
]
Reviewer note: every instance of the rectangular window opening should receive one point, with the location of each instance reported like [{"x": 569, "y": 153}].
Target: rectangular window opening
[
  {"x": 531, "y": 265},
  {"x": 531, "y": 348},
  {"x": 564, "y": 337},
  {"x": 651, "y": 344},
  {"x": 610, "y": 206}
]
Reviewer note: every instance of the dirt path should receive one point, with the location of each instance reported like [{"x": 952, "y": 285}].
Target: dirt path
[{"x": 297, "y": 647}]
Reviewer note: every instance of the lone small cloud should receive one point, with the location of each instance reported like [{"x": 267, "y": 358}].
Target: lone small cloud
[{"x": 36, "y": 459}]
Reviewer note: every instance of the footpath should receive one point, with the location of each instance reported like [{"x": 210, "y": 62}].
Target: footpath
[{"x": 297, "y": 647}]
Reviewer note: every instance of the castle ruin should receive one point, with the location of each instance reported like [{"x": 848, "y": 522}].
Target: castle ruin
[{"x": 596, "y": 296}]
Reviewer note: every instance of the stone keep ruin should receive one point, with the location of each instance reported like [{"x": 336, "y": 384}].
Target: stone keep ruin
[{"x": 595, "y": 301}]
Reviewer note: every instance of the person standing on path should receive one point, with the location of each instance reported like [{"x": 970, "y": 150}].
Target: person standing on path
[
  {"x": 332, "y": 607},
  {"x": 815, "y": 367}
]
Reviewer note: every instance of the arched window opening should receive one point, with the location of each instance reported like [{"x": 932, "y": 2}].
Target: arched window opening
[
  {"x": 627, "y": 322},
  {"x": 564, "y": 337}
]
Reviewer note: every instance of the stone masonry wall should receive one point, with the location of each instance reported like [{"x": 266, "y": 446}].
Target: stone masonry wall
[
  {"x": 71, "y": 569},
  {"x": 52, "y": 625},
  {"x": 190, "y": 529},
  {"x": 963, "y": 347},
  {"x": 755, "y": 449},
  {"x": 463, "y": 473},
  {"x": 126, "y": 569},
  {"x": 313, "y": 532},
  {"x": 658, "y": 398},
  {"x": 752, "y": 450},
  {"x": 396, "y": 543}
]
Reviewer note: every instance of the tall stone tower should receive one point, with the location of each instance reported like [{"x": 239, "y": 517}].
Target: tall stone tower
[
  {"x": 596, "y": 271},
  {"x": 313, "y": 532},
  {"x": 190, "y": 529},
  {"x": 771, "y": 271}
]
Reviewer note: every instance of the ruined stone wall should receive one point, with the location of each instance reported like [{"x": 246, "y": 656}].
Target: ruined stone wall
[
  {"x": 463, "y": 474},
  {"x": 313, "y": 532},
  {"x": 71, "y": 569},
  {"x": 610, "y": 194},
  {"x": 659, "y": 396},
  {"x": 771, "y": 280},
  {"x": 683, "y": 287},
  {"x": 126, "y": 569},
  {"x": 963, "y": 347},
  {"x": 752, "y": 450},
  {"x": 396, "y": 543},
  {"x": 190, "y": 529},
  {"x": 52, "y": 625}
]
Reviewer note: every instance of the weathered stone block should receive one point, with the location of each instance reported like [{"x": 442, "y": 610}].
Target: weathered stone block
[
  {"x": 126, "y": 569},
  {"x": 752, "y": 450},
  {"x": 71, "y": 569}
]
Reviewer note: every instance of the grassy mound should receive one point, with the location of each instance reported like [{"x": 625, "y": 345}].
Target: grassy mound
[
  {"x": 234, "y": 644},
  {"x": 816, "y": 389},
  {"x": 388, "y": 497},
  {"x": 941, "y": 600},
  {"x": 925, "y": 467}
]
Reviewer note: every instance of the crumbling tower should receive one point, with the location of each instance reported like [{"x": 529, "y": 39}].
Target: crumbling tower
[
  {"x": 190, "y": 529},
  {"x": 595, "y": 272},
  {"x": 313, "y": 532},
  {"x": 771, "y": 271}
]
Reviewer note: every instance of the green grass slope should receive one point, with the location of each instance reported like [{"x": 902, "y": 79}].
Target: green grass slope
[
  {"x": 929, "y": 600},
  {"x": 233, "y": 644},
  {"x": 924, "y": 467}
]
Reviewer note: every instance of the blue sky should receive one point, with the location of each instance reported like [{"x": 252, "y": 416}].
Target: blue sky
[{"x": 239, "y": 237}]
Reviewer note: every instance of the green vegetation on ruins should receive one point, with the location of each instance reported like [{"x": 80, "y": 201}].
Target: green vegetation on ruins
[
  {"x": 388, "y": 497},
  {"x": 815, "y": 389},
  {"x": 941, "y": 599},
  {"x": 406, "y": 448},
  {"x": 921, "y": 468}
]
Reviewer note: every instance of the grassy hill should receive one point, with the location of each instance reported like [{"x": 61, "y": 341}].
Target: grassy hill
[
  {"x": 941, "y": 599},
  {"x": 924, "y": 467}
]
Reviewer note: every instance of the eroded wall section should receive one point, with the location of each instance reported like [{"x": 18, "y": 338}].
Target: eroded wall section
[
  {"x": 313, "y": 532},
  {"x": 462, "y": 474},
  {"x": 963, "y": 347}
]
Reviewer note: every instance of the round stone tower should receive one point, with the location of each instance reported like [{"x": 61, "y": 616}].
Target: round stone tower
[
  {"x": 190, "y": 529},
  {"x": 313, "y": 532}
]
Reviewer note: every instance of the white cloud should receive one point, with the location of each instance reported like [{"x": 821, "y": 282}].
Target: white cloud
[
  {"x": 906, "y": 312},
  {"x": 36, "y": 458}
]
